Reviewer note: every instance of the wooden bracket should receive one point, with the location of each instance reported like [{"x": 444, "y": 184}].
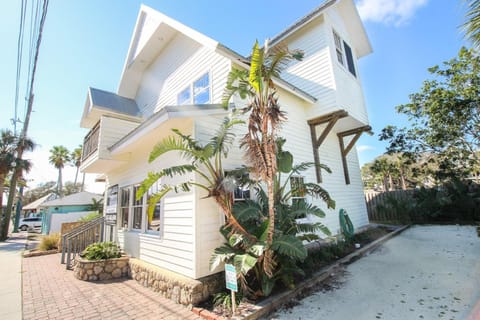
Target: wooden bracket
[
  {"x": 344, "y": 150},
  {"x": 330, "y": 119}
]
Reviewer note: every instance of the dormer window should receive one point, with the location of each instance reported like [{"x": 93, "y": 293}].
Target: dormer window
[{"x": 342, "y": 50}]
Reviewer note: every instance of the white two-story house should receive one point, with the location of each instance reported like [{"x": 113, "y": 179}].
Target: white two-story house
[{"x": 174, "y": 77}]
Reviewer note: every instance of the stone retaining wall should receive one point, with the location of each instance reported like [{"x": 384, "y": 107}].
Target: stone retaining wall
[
  {"x": 173, "y": 286},
  {"x": 101, "y": 269}
]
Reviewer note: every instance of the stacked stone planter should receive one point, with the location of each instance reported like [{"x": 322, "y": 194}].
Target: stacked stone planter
[
  {"x": 173, "y": 286},
  {"x": 101, "y": 269}
]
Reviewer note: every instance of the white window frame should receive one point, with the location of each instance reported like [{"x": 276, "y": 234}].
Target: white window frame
[
  {"x": 161, "y": 205},
  {"x": 183, "y": 101},
  {"x": 296, "y": 197},
  {"x": 342, "y": 56},
  {"x": 339, "y": 48},
  {"x": 143, "y": 205},
  {"x": 191, "y": 91}
]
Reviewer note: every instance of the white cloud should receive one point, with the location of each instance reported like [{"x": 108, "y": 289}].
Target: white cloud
[
  {"x": 390, "y": 12},
  {"x": 363, "y": 148}
]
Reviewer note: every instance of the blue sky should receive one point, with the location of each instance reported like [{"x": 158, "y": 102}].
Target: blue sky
[{"x": 85, "y": 44}]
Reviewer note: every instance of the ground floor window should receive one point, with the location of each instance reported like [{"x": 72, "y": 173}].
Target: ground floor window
[
  {"x": 124, "y": 206},
  {"x": 134, "y": 213},
  {"x": 297, "y": 189}
]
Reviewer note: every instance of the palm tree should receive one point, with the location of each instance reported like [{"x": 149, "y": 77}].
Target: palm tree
[
  {"x": 10, "y": 145},
  {"x": 59, "y": 156},
  {"x": 471, "y": 26},
  {"x": 7, "y": 158},
  {"x": 76, "y": 157},
  {"x": 257, "y": 84}
]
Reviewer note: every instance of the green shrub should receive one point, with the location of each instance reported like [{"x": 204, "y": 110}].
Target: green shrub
[
  {"x": 90, "y": 217},
  {"x": 224, "y": 300},
  {"x": 49, "y": 242},
  {"x": 101, "y": 250}
]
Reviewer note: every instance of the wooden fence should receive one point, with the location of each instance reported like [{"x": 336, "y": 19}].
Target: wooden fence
[{"x": 388, "y": 206}]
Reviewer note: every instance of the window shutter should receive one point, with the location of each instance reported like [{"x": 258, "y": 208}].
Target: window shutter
[{"x": 348, "y": 53}]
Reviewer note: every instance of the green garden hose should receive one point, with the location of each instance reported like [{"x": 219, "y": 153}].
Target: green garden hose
[{"x": 346, "y": 224}]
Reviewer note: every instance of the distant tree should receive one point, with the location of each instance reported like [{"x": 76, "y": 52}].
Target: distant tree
[
  {"x": 471, "y": 26},
  {"x": 76, "y": 158},
  {"x": 444, "y": 118},
  {"x": 71, "y": 188},
  {"x": 59, "y": 156},
  {"x": 39, "y": 191}
]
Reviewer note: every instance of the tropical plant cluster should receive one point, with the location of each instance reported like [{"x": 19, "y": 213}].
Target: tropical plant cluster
[
  {"x": 264, "y": 236},
  {"x": 101, "y": 251}
]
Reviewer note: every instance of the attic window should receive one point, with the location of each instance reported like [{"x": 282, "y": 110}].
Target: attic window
[
  {"x": 338, "y": 47},
  {"x": 343, "y": 49}
]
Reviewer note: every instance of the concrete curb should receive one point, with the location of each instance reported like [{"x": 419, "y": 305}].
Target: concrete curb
[{"x": 274, "y": 302}]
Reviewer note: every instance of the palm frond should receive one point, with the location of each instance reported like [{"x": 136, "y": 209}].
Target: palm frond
[
  {"x": 237, "y": 83},
  {"x": 246, "y": 210},
  {"x": 317, "y": 191},
  {"x": 255, "y": 77},
  {"x": 290, "y": 246},
  {"x": 222, "y": 254},
  {"x": 244, "y": 262}
]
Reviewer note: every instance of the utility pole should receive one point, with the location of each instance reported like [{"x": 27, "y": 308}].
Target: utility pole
[{"x": 17, "y": 172}]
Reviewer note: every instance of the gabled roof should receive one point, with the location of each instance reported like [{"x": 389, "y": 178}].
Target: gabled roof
[
  {"x": 165, "y": 114},
  {"x": 300, "y": 23},
  {"x": 37, "y": 203},
  {"x": 76, "y": 199},
  {"x": 141, "y": 52},
  {"x": 350, "y": 16}
]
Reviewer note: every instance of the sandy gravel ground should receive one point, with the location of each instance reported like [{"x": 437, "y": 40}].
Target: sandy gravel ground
[{"x": 426, "y": 272}]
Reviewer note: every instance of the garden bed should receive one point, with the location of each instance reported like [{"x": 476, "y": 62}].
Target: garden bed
[{"x": 324, "y": 261}]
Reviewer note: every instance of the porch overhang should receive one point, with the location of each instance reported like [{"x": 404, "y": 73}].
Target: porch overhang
[
  {"x": 345, "y": 126},
  {"x": 167, "y": 114}
]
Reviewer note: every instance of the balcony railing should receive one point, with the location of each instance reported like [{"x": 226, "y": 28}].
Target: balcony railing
[{"x": 90, "y": 143}]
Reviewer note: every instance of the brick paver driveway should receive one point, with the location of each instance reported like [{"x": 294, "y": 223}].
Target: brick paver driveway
[{"x": 51, "y": 292}]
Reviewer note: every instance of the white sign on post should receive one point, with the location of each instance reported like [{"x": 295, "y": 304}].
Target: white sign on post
[{"x": 231, "y": 277}]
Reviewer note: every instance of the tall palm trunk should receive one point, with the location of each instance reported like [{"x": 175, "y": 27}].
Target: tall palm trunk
[
  {"x": 76, "y": 176},
  {"x": 60, "y": 183},
  {"x": 2, "y": 184}
]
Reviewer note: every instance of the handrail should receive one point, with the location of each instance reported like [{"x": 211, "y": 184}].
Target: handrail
[{"x": 75, "y": 241}]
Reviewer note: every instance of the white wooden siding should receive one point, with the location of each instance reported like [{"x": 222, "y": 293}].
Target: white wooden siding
[
  {"x": 112, "y": 130},
  {"x": 349, "y": 92},
  {"x": 178, "y": 65},
  {"x": 173, "y": 248},
  {"x": 321, "y": 75}
]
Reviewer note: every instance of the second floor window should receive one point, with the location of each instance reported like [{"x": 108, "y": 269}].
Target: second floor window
[
  {"x": 184, "y": 96},
  {"x": 343, "y": 50},
  {"x": 196, "y": 93},
  {"x": 201, "y": 90}
]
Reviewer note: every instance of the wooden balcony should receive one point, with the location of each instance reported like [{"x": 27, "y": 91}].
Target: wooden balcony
[{"x": 90, "y": 143}]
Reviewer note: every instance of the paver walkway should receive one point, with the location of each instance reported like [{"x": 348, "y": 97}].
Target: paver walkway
[{"x": 51, "y": 292}]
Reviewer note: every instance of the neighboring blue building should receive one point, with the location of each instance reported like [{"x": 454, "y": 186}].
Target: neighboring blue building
[{"x": 72, "y": 207}]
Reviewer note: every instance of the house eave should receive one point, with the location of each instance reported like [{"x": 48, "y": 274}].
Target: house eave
[{"x": 164, "y": 115}]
